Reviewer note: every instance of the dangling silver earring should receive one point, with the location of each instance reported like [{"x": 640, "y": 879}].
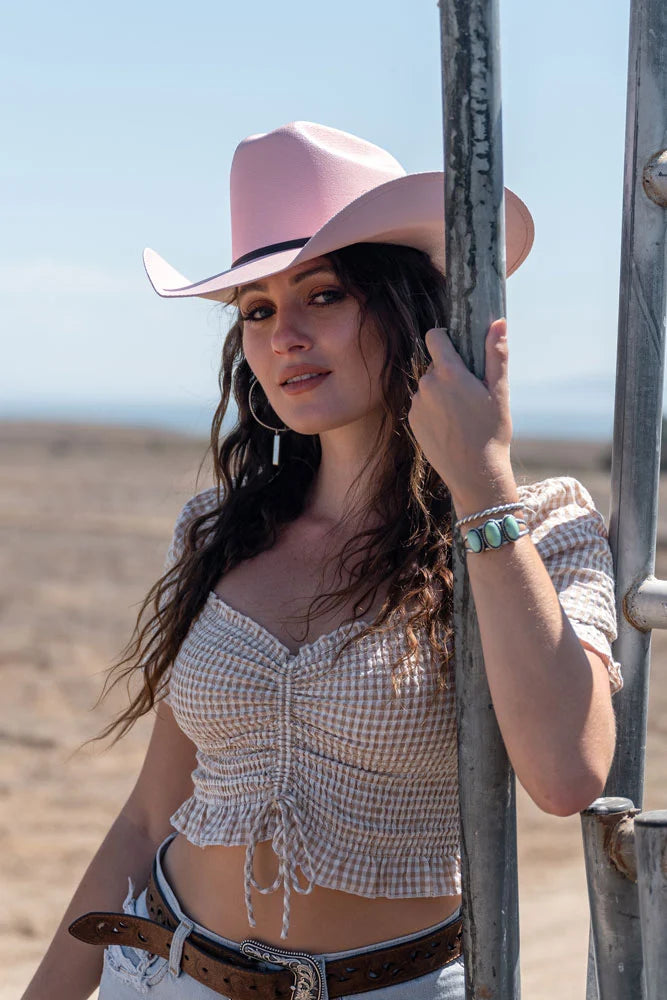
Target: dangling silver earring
[{"x": 276, "y": 430}]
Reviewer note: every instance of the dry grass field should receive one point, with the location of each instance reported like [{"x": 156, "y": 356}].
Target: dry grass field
[{"x": 86, "y": 514}]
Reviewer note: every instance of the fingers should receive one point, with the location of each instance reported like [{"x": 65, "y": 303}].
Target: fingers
[
  {"x": 439, "y": 345},
  {"x": 455, "y": 416},
  {"x": 445, "y": 356},
  {"x": 496, "y": 375}
]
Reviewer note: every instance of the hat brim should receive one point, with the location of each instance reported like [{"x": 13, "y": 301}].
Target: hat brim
[{"x": 408, "y": 210}]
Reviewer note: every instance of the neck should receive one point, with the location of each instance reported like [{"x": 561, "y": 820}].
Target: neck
[{"x": 334, "y": 492}]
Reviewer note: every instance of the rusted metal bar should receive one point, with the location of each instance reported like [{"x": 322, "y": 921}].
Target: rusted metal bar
[
  {"x": 475, "y": 253},
  {"x": 608, "y": 833},
  {"x": 651, "y": 845}
]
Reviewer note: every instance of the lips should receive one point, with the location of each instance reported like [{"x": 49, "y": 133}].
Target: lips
[
  {"x": 295, "y": 379},
  {"x": 303, "y": 370},
  {"x": 305, "y": 384}
]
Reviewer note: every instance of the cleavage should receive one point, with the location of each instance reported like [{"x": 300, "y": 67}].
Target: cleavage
[{"x": 274, "y": 587}]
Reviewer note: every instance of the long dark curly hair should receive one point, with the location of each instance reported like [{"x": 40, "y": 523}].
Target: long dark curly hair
[{"x": 403, "y": 293}]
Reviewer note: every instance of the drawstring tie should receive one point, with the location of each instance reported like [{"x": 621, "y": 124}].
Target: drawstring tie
[{"x": 287, "y": 839}]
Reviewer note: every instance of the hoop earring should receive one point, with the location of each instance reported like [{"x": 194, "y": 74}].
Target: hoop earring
[{"x": 276, "y": 430}]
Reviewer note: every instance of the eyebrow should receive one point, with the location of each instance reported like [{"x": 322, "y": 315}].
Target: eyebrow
[{"x": 259, "y": 286}]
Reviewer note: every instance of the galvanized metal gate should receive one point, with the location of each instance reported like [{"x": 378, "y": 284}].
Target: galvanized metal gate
[{"x": 625, "y": 850}]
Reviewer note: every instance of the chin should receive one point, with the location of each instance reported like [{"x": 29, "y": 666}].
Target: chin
[{"x": 323, "y": 423}]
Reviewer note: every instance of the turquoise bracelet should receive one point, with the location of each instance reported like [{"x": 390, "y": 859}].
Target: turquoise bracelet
[{"x": 495, "y": 533}]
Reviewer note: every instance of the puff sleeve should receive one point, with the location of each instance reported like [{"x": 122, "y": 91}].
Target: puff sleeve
[
  {"x": 571, "y": 538},
  {"x": 198, "y": 504},
  {"x": 194, "y": 507}
]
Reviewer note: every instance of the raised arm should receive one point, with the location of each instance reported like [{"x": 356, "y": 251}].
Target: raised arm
[{"x": 551, "y": 695}]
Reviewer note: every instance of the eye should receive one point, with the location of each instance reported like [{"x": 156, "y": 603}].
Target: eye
[
  {"x": 331, "y": 295},
  {"x": 254, "y": 315},
  {"x": 324, "y": 297}
]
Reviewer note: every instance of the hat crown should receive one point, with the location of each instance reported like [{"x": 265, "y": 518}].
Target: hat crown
[{"x": 286, "y": 184}]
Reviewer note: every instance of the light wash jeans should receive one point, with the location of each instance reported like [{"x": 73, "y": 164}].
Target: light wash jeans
[{"x": 132, "y": 972}]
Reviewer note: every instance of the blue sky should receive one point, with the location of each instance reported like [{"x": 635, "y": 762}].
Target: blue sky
[{"x": 119, "y": 134}]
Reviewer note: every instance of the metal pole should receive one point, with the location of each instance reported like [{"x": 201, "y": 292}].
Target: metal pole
[
  {"x": 639, "y": 375},
  {"x": 608, "y": 832},
  {"x": 651, "y": 842},
  {"x": 475, "y": 254}
]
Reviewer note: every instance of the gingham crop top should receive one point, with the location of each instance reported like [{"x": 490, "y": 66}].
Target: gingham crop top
[{"x": 353, "y": 784}]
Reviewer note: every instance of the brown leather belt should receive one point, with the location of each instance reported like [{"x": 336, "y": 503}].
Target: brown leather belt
[{"x": 238, "y": 976}]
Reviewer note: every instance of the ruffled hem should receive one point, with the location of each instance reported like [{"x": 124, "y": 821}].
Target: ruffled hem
[
  {"x": 205, "y": 823},
  {"x": 394, "y": 876}
]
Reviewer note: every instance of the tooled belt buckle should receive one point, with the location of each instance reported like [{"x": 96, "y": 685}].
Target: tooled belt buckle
[{"x": 308, "y": 983}]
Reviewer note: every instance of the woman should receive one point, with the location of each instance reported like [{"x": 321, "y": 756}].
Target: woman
[{"x": 323, "y": 764}]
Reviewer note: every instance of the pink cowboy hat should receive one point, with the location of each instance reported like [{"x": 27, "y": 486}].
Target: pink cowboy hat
[{"x": 304, "y": 190}]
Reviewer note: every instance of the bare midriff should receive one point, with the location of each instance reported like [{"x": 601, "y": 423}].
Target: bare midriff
[{"x": 208, "y": 883}]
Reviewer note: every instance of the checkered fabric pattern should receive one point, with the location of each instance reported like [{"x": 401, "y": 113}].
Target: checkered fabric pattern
[
  {"x": 570, "y": 536},
  {"x": 355, "y": 785}
]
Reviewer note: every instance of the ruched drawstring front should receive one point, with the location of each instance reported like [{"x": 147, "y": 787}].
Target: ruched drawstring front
[{"x": 287, "y": 841}]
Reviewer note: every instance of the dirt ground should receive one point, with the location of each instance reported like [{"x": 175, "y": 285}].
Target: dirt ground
[{"x": 86, "y": 514}]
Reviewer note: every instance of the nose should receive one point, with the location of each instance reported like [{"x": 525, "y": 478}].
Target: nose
[{"x": 290, "y": 332}]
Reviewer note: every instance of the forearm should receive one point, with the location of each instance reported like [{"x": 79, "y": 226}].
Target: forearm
[
  {"x": 552, "y": 703},
  {"x": 70, "y": 969},
  {"x": 552, "y": 699}
]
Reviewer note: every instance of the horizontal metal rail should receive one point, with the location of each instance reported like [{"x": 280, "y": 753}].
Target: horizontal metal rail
[{"x": 645, "y": 606}]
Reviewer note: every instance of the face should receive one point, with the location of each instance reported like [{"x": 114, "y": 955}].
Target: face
[{"x": 304, "y": 317}]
